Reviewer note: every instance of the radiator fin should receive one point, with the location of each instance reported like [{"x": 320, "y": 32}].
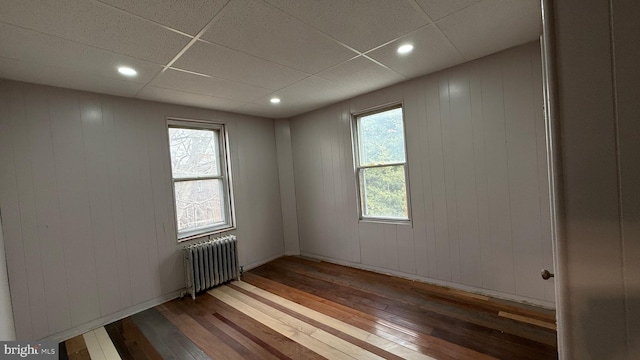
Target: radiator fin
[{"x": 211, "y": 263}]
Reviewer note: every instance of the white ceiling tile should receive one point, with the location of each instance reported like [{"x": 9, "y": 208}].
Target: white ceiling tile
[
  {"x": 493, "y": 25},
  {"x": 178, "y": 80},
  {"x": 27, "y": 45},
  {"x": 96, "y": 24},
  {"x": 189, "y": 99},
  {"x": 361, "y": 24},
  {"x": 48, "y": 75},
  {"x": 262, "y": 47},
  {"x": 187, "y": 16},
  {"x": 431, "y": 52},
  {"x": 437, "y": 9},
  {"x": 306, "y": 95},
  {"x": 259, "y": 29},
  {"x": 233, "y": 65},
  {"x": 361, "y": 74}
]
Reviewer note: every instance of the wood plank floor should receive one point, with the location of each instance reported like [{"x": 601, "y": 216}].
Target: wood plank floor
[{"x": 296, "y": 308}]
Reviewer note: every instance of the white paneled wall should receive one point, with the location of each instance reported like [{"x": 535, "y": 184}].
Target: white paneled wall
[
  {"x": 87, "y": 205},
  {"x": 598, "y": 83},
  {"x": 7, "y": 329},
  {"x": 287, "y": 187},
  {"x": 478, "y": 180}
]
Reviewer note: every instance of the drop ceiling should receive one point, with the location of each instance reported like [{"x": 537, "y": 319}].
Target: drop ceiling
[{"x": 235, "y": 55}]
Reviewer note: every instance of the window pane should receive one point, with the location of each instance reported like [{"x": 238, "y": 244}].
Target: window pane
[
  {"x": 194, "y": 152},
  {"x": 381, "y": 138},
  {"x": 383, "y": 191},
  {"x": 199, "y": 204}
]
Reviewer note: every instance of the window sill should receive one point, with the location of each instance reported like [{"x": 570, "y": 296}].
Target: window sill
[
  {"x": 386, "y": 221},
  {"x": 205, "y": 234}
]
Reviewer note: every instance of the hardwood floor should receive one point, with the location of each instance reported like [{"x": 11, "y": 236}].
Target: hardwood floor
[{"x": 295, "y": 308}]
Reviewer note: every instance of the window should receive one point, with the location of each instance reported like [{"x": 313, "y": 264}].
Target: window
[
  {"x": 201, "y": 182},
  {"x": 381, "y": 165}
]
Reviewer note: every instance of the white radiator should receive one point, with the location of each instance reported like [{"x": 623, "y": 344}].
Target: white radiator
[{"x": 211, "y": 263}]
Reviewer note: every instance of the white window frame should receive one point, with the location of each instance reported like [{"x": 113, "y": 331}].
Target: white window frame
[
  {"x": 225, "y": 176},
  {"x": 359, "y": 168}
]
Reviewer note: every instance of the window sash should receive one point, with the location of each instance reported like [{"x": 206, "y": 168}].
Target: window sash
[
  {"x": 362, "y": 139},
  {"x": 207, "y": 132},
  {"x": 381, "y": 165},
  {"x": 362, "y": 193},
  {"x": 222, "y": 162},
  {"x": 359, "y": 169},
  {"x": 195, "y": 207}
]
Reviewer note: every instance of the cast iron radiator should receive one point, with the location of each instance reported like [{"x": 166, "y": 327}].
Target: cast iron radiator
[{"x": 211, "y": 263}]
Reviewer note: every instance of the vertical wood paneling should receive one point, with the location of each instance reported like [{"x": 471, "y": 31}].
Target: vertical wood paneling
[
  {"x": 524, "y": 190},
  {"x": 465, "y": 174},
  {"x": 480, "y": 164},
  {"x": 262, "y": 225},
  {"x": 117, "y": 210},
  {"x": 243, "y": 164},
  {"x": 48, "y": 207},
  {"x": 241, "y": 198},
  {"x": 406, "y": 249},
  {"x": 7, "y": 327},
  {"x": 160, "y": 170},
  {"x": 75, "y": 215},
  {"x": 451, "y": 195},
  {"x": 343, "y": 247},
  {"x": 307, "y": 172},
  {"x": 146, "y": 179},
  {"x": 416, "y": 261},
  {"x": 11, "y": 222},
  {"x": 28, "y": 216},
  {"x": 319, "y": 200},
  {"x": 250, "y": 163},
  {"x": 389, "y": 245},
  {"x": 301, "y": 177},
  {"x": 404, "y": 234},
  {"x": 427, "y": 199},
  {"x": 370, "y": 235},
  {"x": 337, "y": 224},
  {"x": 287, "y": 186},
  {"x": 326, "y": 224},
  {"x": 87, "y": 205},
  {"x": 438, "y": 181},
  {"x": 597, "y": 85},
  {"x": 497, "y": 174},
  {"x": 474, "y": 150},
  {"x": 132, "y": 199},
  {"x": 100, "y": 205}
]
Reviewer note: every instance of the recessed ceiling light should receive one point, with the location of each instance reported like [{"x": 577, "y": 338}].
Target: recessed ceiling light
[
  {"x": 275, "y": 100},
  {"x": 405, "y": 49},
  {"x": 127, "y": 71}
]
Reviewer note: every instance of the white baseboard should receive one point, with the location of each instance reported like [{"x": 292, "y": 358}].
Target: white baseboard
[
  {"x": 472, "y": 289},
  {"x": 94, "y": 324},
  {"x": 91, "y": 325}
]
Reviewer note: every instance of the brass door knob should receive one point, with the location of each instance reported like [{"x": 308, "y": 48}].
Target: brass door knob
[{"x": 546, "y": 274}]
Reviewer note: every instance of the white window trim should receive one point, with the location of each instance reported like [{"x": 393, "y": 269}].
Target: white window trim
[
  {"x": 358, "y": 169},
  {"x": 226, "y": 175}
]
